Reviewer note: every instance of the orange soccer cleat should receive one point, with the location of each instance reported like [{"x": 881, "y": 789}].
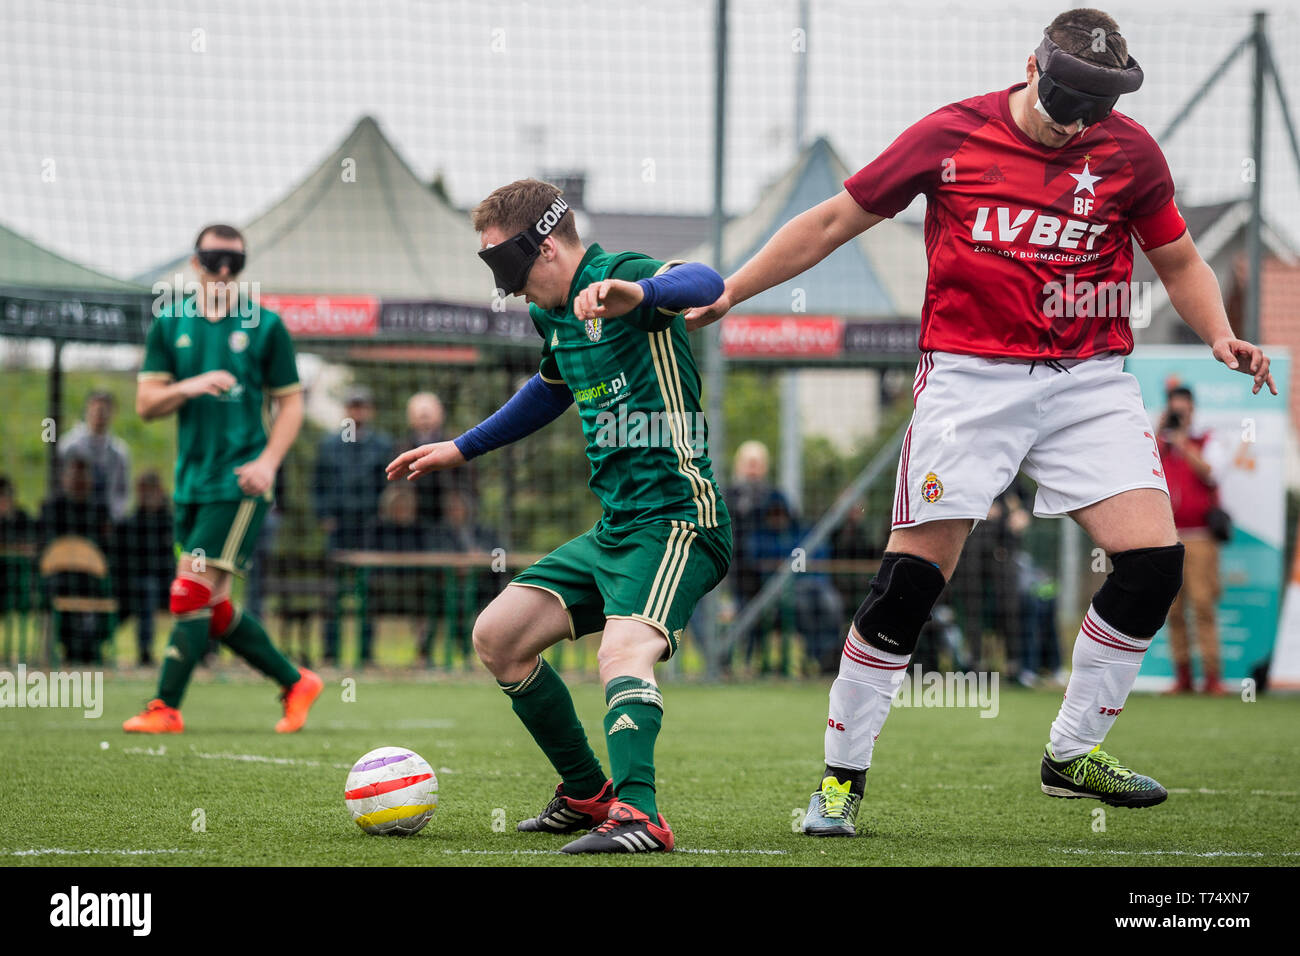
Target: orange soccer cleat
[
  {"x": 298, "y": 700},
  {"x": 156, "y": 718}
]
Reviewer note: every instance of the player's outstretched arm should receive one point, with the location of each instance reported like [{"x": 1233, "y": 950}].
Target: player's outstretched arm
[
  {"x": 799, "y": 245},
  {"x": 535, "y": 405},
  {"x": 155, "y": 398},
  {"x": 686, "y": 285},
  {"x": 1195, "y": 295}
]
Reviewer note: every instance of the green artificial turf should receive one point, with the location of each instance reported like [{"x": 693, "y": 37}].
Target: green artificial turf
[{"x": 735, "y": 764}]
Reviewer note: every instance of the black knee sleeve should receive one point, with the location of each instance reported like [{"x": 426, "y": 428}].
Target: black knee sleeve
[
  {"x": 1136, "y": 596},
  {"x": 902, "y": 594}
]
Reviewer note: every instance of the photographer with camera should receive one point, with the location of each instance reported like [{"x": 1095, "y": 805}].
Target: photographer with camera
[{"x": 1202, "y": 526}]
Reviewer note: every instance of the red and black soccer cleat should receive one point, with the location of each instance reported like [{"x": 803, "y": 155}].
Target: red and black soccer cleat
[
  {"x": 567, "y": 815},
  {"x": 626, "y": 830}
]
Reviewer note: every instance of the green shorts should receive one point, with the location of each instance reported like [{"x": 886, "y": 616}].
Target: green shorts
[
  {"x": 222, "y": 533},
  {"x": 654, "y": 573}
]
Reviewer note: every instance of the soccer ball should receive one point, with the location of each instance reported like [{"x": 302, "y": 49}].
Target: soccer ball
[{"x": 391, "y": 791}]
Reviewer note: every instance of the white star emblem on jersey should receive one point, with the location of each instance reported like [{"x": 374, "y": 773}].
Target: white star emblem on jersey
[{"x": 1085, "y": 180}]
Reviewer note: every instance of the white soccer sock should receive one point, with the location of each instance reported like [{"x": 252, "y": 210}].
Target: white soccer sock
[
  {"x": 860, "y": 700},
  {"x": 1106, "y": 663}
]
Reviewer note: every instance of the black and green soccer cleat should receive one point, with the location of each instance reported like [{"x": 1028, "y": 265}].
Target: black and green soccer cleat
[
  {"x": 1099, "y": 776},
  {"x": 833, "y": 809}
]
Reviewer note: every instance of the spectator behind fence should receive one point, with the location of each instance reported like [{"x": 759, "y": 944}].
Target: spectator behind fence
[
  {"x": 17, "y": 537},
  {"x": 818, "y": 606},
  {"x": 145, "y": 560},
  {"x": 109, "y": 457},
  {"x": 1191, "y": 468},
  {"x": 397, "y": 528},
  {"x": 255, "y": 580},
  {"x": 476, "y": 586},
  {"x": 985, "y": 586},
  {"x": 16, "y": 526},
  {"x": 1040, "y": 646},
  {"x": 458, "y": 530},
  {"x": 350, "y": 476},
  {"x": 74, "y": 510},
  {"x": 759, "y": 514},
  {"x": 856, "y": 539},
  {"x": 425, "y": 418}
]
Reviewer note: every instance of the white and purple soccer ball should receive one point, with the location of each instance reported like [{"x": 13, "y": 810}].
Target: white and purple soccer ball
[{"x": 391, "y": 791}]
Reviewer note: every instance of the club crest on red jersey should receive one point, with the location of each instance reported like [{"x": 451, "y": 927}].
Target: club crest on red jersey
[{"x": 931, "y": 488}]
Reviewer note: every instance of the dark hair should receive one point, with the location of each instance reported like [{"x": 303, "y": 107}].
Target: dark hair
[
  {"x": 101, "y": 395},
  {"x": 516, "y": 206},
  {"x": 1180, "y": 391},
  {"x": 221, "y": 231},
  {"x": 6, "y": 486},
  {"x": 1090, "y": 35}
]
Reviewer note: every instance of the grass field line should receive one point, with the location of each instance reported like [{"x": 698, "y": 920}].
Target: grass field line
[
  {"x": 1208, "y": 854},
  {"x": 1206, "y": 791},
  {"x": 468, "y": 852},
  {"x": 241, "y": 758},
  {"x": 59, "y": 851},
  {"x": 410, "y": 723},
  {"x": 248, "y": 758}
]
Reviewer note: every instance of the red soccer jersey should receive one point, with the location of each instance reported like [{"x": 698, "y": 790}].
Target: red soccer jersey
[{"x": 1030, "y": 248}]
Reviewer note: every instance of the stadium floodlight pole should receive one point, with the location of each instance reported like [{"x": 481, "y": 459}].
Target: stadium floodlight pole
[
  {"x": 1253, "y": 245},
  {"x": 1192, "y": 101},
  {"x": 54, "y": 413},
  {"x": 713, "y": 362},
  {"x": 791, "y": 426},
  {"x": 1287, "y": 122}
]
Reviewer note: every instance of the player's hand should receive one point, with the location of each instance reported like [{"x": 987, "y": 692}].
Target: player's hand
[
  {"x": 1248, "y": 359},
  {"x": 256, "y": 477},
  {"x": 608, "y": 299},
  {"x": 425, "y": 460},
  {"x": 216, "y": 382},
  {"x": 702, "y": 315}
]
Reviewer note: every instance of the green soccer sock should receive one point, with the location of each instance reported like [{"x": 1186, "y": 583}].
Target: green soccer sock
[
  {"x": 189, "y": 639},
  {"x": 250, "y": 641},
  {"x": 636, "y": 710},
  {"x": 543, "y": 703}
]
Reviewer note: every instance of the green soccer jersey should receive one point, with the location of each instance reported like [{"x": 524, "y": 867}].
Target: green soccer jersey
[
  {"x": 217, "y": 433},
  {"x": 637, "y": 390}
]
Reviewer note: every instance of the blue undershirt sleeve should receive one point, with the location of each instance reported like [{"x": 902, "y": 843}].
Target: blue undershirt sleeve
[
  {"x": 687, "y": 285},
  {"x": 535, "y": 405}
]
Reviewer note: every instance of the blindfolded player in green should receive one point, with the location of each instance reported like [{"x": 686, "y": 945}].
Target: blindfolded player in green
[
  {"x": 217, "y": 360},
  {"x": 613, "y": 341}
]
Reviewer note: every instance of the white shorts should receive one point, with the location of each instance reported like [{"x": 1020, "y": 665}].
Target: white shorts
[{"x": 1076, "y": 426}]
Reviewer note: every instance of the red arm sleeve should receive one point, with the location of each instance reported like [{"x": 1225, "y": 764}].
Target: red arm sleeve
[
  {"x": 1158, "y": 229},
  {"x": 1153, "y": 217}
]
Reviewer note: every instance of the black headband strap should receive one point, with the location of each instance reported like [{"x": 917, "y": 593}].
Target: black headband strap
[{"x": 1084, "y": 76}]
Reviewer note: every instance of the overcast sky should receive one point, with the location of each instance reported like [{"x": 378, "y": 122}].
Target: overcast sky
[{"x": 129, "y": 124}]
